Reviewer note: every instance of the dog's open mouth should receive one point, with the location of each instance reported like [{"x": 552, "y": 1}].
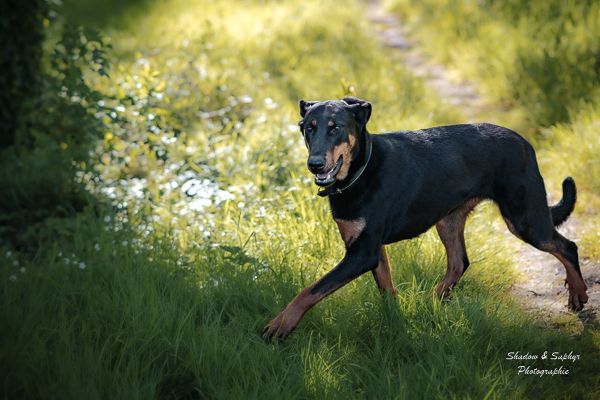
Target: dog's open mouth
[{"x": 328, "y": 178}]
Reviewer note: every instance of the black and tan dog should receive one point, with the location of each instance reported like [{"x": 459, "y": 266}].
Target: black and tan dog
[{"x": 394, "y": 186}]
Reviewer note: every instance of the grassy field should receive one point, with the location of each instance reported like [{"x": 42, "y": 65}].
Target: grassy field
[
  {"x": 540, "y": 61},
  {"x": 199, "y": 223}
]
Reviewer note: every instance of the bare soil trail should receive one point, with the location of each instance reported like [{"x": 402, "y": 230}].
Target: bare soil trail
[{"x": 541, "y": 290}]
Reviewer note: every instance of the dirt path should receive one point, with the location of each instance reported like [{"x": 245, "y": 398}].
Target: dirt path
[
  {"x": 437, "y": 78},
  {"x": 541, "y": 289}
]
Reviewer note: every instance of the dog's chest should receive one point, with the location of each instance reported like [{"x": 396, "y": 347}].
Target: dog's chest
[{"x": 350, "y": 230}]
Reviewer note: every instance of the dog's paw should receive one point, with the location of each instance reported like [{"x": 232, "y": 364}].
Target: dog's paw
[
  {"x": 577, "y": 300},
  {"x": 577, "y": 295},
  {"x": 444, "y": 291},
  {"x": 279, "y": 328}
]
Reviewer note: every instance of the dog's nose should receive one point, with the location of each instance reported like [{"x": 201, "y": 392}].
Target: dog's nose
[{"x": 316, "y": 163}]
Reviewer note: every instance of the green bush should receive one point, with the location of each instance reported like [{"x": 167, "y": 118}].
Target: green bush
[
  {"x": 58, "y": 127},
  {"x": 21, "y": 35}
]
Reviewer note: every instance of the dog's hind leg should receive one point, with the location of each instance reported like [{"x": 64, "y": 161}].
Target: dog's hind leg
[
  {"x": 451, "y": 230},
  {"x": 529, "y": 218},
  {"x": 566, "y": 252},
  {"x": 382, "y": 274},
  {"x": 541, "y": 234}
]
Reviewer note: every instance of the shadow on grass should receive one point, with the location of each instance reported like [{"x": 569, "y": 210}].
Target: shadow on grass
[{"x": 122, "y": 318}]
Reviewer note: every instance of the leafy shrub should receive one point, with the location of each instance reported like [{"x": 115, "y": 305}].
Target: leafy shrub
[
  {"x": 57, "y": 128},
  {"x": 21, "y": 37}
]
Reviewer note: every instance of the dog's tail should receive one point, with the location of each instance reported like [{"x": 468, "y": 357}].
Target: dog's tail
[{"x": 561, "y": 210}]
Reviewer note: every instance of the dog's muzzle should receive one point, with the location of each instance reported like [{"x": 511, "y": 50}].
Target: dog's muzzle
[{"x": 327, "y": 178}]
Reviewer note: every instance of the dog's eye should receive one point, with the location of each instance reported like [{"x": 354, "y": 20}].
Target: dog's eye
[
  {"x": 308, "y": 129},
  {"x": 334, "y": 129}
]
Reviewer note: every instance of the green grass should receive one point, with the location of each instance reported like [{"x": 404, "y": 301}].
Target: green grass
[
  {"x": 540, "y": 60},
  {"x": 138, "y": 323},
  {"x": 153, "y": 298},
  {"x": 542, "y": 57}
]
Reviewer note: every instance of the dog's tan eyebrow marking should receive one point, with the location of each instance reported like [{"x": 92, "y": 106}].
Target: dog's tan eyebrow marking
[
  {"x": 330, "y": 123},
  {"x": 350, "y": 229},
  {"x": 313, "y": 122}
]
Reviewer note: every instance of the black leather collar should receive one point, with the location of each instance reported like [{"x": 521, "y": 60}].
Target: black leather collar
[{"x": 333, "y": 190}]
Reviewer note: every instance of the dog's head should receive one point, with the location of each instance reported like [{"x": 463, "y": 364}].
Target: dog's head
[{"x": 332, "y": 130}]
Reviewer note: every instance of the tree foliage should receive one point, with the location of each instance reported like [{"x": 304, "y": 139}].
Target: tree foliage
[{"x": 21, "y": 35}]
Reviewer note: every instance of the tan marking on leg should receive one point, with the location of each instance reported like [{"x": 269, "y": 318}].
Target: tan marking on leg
[
  {"x": 350, "y": 229},
  {"x": 287, "y": 320},
  {"x": 451, "y": 233},
  {"x": 451, "y": 230},
  {"x": 383, "y": 275},
  {"x": 470, "y": 204},
  {"x": 549, "y": 247},
  {"x": 313, "y": 122},
  {"x": 577, "y": 287}
]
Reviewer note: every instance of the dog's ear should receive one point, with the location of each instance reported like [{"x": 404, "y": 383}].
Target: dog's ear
[
  {"x": 350, "y": 100},
  {"x": 304, "y": 106},
  {"x": 361, "y": 109}
]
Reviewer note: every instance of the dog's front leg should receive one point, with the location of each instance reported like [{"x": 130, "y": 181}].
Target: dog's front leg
[
  {"x": 357, "y": 261},
  {"x": 383, "y": 275}
]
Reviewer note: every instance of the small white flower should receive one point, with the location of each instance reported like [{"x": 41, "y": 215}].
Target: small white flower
[
  {"x": 22, "y": 270},
  {"x": 60, "y": 253},
  {"x": 82, "y": 265},
  {"x": 124, "y": 242},
  {"x": 8, "y": 253},
  {"x": 16, "y": 263},
  {"x": 97, "y": 247},
  {"x": 241, "y": 204},
  {"x": 67, "y": 261},
  {"x": 107, "y": 219},
  {"x": 12, "y": 278}
]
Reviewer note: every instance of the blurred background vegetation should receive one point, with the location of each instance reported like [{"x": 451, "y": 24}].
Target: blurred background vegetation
[
  {"x": 541, "y": 61},
  {"x": 156, "y": 212}
]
